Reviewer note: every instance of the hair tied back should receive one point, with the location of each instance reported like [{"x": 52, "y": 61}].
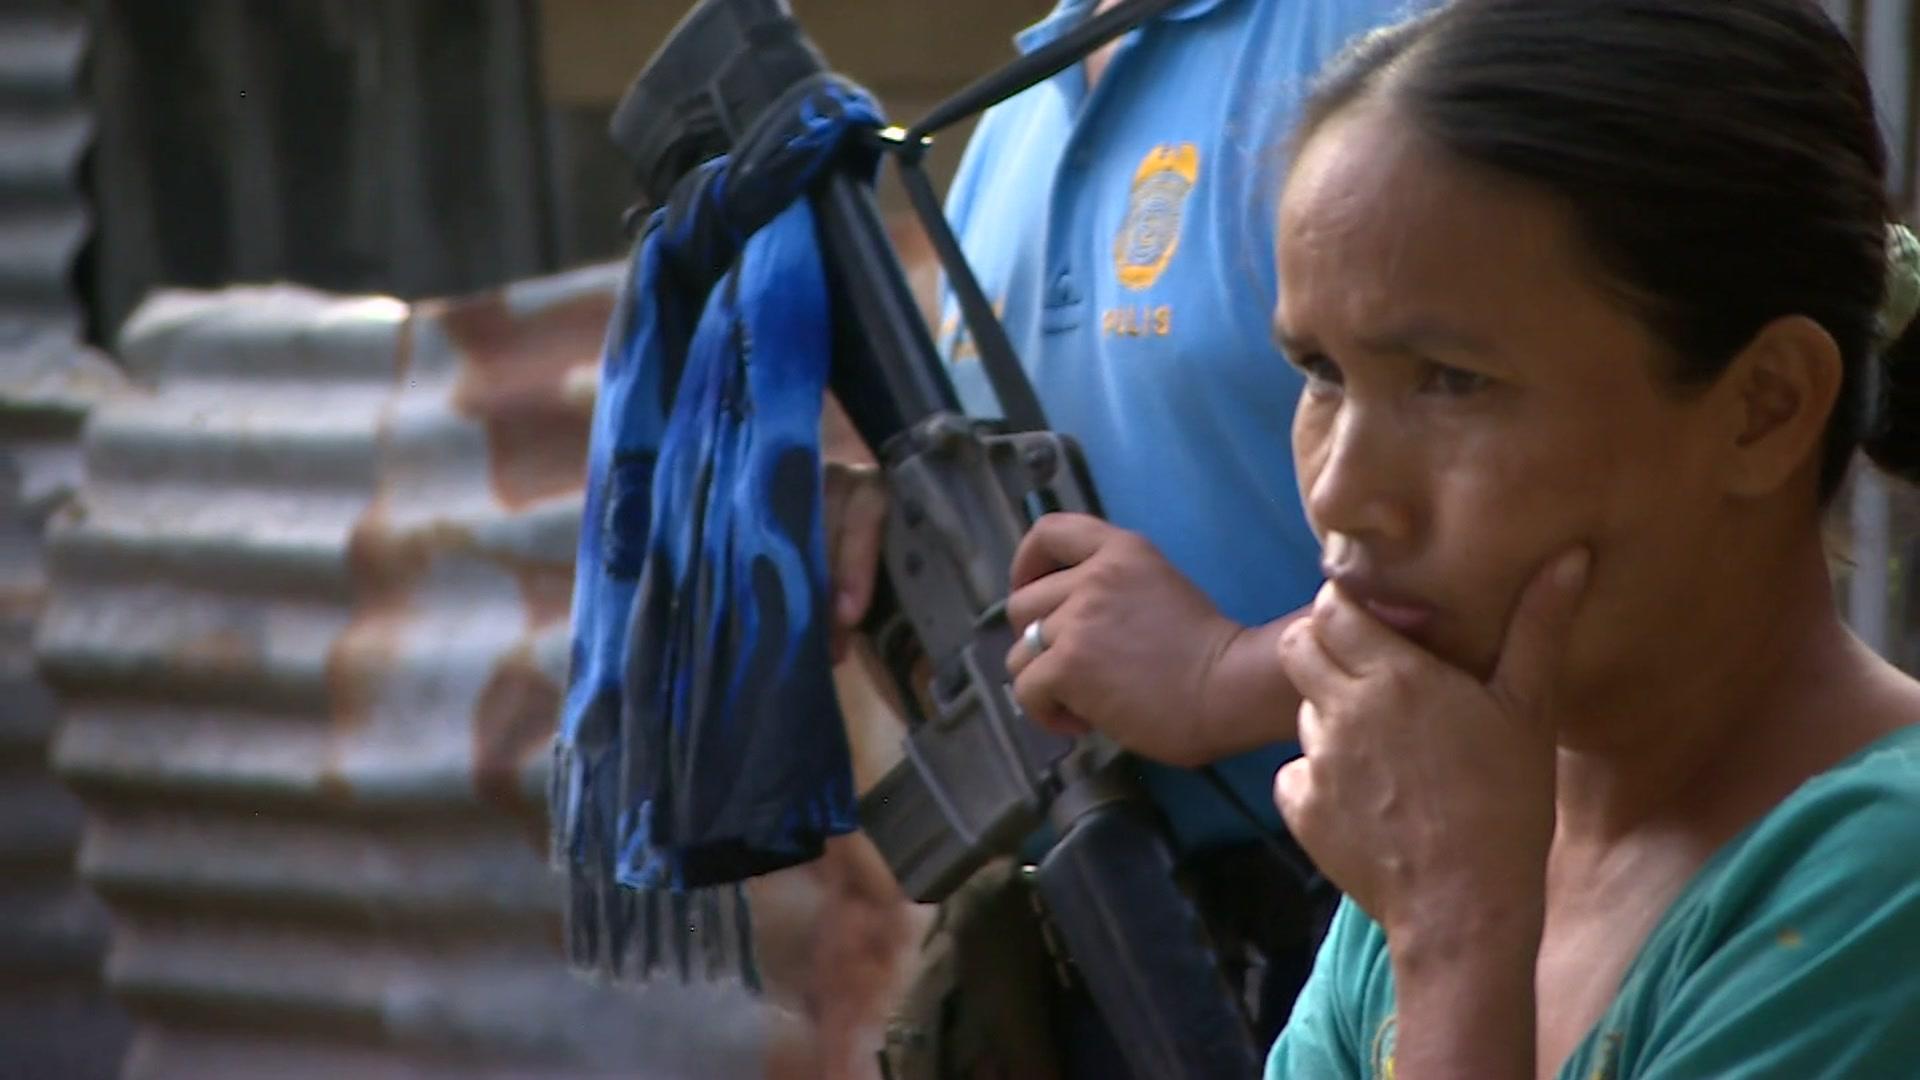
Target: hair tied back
[{"x": 1902, "y": 302}]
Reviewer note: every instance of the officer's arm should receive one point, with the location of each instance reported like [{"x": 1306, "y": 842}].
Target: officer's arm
[{"x": 1248, "y": 703}]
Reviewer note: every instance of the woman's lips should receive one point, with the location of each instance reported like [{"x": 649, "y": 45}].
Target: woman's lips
[
  {"x": 1406, "y": 618},
  {"x": 1344, "y": 564},
  {"x": 1405, "y": 614}
]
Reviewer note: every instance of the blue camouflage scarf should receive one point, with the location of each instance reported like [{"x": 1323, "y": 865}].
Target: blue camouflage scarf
[{"x": 700, "y": 741}]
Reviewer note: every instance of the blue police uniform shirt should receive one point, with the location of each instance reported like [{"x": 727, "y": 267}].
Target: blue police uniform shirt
[{"x": 1126, "y": 236}]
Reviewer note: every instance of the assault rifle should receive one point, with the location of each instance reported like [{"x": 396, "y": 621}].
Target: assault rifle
[{"x": 977, "y": 778}]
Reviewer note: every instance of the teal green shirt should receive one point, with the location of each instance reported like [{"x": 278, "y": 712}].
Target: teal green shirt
[{"x": 1793, "y": 953}]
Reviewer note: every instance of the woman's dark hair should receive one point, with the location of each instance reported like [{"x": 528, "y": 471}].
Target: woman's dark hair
[{"x": 1721, "y": 157}]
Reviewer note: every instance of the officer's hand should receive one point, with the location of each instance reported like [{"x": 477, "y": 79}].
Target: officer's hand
[{"x": 1131, "y": 644}]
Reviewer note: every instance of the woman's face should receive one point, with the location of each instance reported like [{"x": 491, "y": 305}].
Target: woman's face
[{"x": 1477, "y": 403}]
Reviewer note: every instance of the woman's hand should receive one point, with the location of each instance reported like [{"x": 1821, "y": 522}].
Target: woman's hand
[
  {"x": 1424, "y": 793},
  {"x": 1131, "y": 644},
  {"x": 1428, "y": 797}
]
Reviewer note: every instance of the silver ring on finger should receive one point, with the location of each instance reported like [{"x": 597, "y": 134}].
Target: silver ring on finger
[{"x": 1034, "y": 638}]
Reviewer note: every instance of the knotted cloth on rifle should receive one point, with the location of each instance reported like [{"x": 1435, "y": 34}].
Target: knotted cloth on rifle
[{"x": 700, "y": 741}]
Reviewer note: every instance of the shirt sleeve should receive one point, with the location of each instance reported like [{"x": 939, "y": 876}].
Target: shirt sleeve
[
  {"x": 1319, "y": 1041},
  {"x": 1817, "y": 972}
]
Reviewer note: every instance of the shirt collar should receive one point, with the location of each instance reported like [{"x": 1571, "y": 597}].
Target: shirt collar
[{"x": 1071, "y": 13}]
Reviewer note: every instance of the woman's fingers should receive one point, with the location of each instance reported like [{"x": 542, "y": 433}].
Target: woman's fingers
[
  {"x": 1353, "y": 638},
  {"x": 1416, "y": 775},
  {"x": 1292, "y": 794},
  {"x": 1310, "y": 665},
  {"x": 1536, "y": 642}
]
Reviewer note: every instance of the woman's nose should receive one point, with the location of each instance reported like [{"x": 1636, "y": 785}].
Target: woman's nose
[{"x": 1360, "y": 486}]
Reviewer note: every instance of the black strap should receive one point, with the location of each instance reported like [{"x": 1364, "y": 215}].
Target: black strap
[
  {"x": 1019, "y": 405},
  {"x": 1038, "y": 66}
]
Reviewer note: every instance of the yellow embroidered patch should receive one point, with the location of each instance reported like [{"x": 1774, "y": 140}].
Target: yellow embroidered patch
[
  {"x": 1608, "y": 1067},
  {"x": 1150, "y": 233},
  {"x": 1137, "y": 321},
  {"x": 1381, "y": 1056}
]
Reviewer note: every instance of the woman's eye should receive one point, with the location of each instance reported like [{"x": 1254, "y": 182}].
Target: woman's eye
[
  {"x": 1453, "y": 381},
  {"x": 1320, "y": 369}
]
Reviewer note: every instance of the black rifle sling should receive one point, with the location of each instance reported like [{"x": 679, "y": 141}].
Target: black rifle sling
[
  {"x": 1039, "y": 65},
  {"x": 1019, "y": 406}
]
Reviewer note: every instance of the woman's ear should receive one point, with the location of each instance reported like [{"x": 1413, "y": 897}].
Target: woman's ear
[{"x": 1779, "y": 393}]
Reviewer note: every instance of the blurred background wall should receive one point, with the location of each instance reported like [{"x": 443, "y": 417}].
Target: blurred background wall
[
  {"x": 416, "y": 147},
  {"x": 287, "y": 542}
]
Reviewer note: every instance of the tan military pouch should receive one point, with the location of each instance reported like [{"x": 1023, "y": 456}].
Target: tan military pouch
[{"x": 980, "y": 1003}]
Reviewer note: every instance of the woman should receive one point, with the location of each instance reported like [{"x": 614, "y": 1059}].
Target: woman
[{"x": 1595, "y": 302}]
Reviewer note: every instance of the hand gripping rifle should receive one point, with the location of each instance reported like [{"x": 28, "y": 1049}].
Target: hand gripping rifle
[{"x": 977, "y": 777}]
